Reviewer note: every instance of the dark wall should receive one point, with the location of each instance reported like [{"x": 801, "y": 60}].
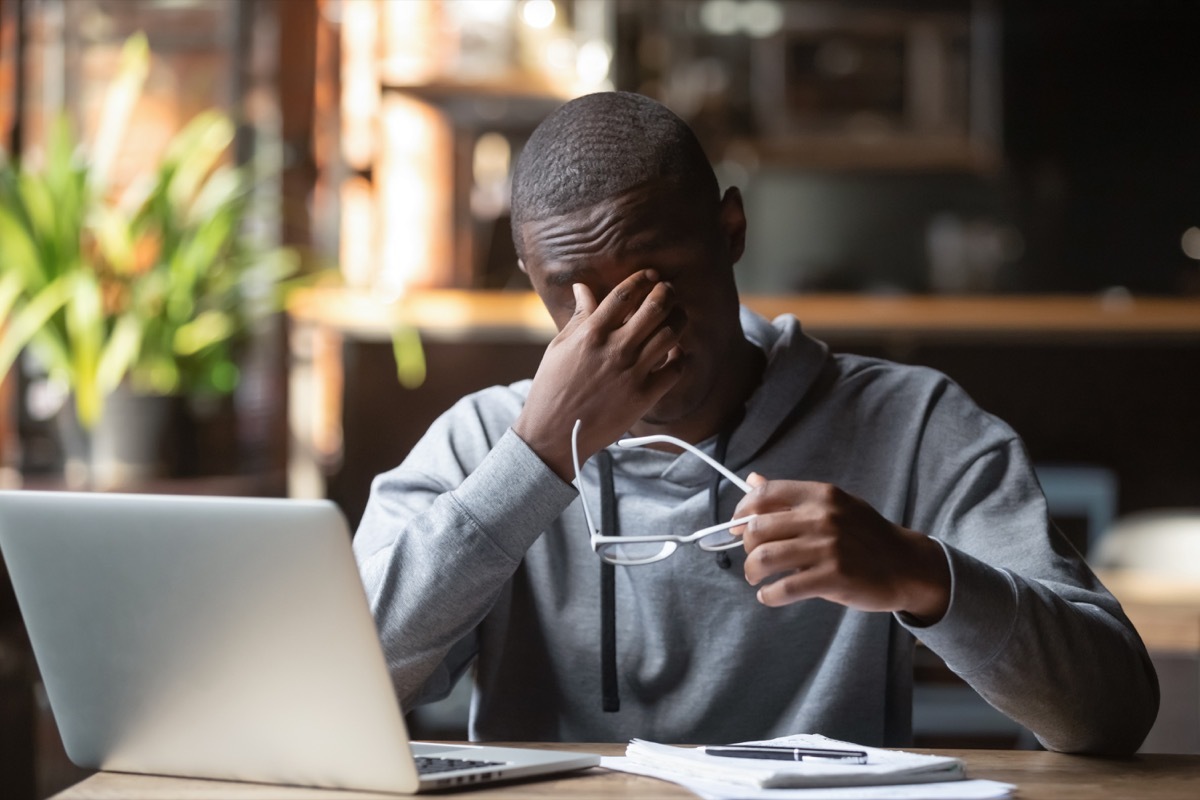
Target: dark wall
[
  {"x": 1102, "y": 138},
  {"x": 382, "y": 420},
  {"x": 1122, "y": 405}
]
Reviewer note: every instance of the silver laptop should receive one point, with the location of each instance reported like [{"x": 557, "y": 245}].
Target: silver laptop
[{"x": 221, "y": 638}]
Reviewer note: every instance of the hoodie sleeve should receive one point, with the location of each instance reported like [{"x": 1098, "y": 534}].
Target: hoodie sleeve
[
  {"x": 1029, "y": 626},
  {"x": 441, "y": 536}
]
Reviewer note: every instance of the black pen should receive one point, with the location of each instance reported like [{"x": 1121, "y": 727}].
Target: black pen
[{"x": 781, "y": 753}]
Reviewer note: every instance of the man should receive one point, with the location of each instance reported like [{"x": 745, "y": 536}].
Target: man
[{"x": 885, "y": 505}]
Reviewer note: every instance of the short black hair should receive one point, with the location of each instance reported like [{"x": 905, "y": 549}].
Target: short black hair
[{"x": 601, "y": 146}]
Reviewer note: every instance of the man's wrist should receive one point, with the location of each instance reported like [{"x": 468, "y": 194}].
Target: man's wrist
[
  {"x": 930, "y": 594},
  {"x": 550, "y": 449}
]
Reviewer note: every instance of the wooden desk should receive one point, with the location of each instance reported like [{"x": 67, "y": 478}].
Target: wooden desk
[{"x": 1038, "y": 776}]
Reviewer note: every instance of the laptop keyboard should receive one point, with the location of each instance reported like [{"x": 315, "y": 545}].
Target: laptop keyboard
[{"x": 427, "y": 765}]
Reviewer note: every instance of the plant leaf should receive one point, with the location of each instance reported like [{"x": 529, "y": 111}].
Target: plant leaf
[
  {"x": 119, "y": 353},
  {"x": 118, "y": 106},
  {"x": 208, "y": 328},
  {"x": 60, "y": 155},
  {"x": 11, "y": 285},
  {"x": 86, "y": 331},
  {"x": 39, "y": 206},
  {"x": 225, "y": 187},
  {"x": 19, "y": 253},
  {"x": 31, "y": 319},
  {"x": 410, "y": 356},
  {"x": 196, "y": 151},
  {"x": 114, "y": 238}
]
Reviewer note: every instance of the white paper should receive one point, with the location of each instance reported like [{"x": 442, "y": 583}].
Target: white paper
[
  {"x": 883, "y": 766},
  {"x": 715, "y": 790}
]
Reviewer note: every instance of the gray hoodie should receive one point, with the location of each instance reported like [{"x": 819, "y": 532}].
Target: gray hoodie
[{"x": 473, "y": 551}]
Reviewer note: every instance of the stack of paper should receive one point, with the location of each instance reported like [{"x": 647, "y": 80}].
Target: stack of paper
[{"x": 889, "y": 773}]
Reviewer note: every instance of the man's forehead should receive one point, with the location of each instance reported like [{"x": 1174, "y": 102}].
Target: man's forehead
[{"x": 630, "y": 224}]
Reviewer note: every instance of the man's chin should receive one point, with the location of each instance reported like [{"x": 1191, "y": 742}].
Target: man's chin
[
  {"x": 674, "y": 407},
  {"x": 657, "y": 420}
]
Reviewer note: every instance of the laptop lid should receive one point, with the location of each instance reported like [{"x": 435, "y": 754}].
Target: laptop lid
[{"x": 224, "y": 638}]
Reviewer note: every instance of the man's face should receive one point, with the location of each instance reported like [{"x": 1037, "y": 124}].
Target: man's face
[{"x": 690, "y": 244}]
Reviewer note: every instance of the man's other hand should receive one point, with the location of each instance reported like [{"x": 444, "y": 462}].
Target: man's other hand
[{"x": 812, "y": 539}]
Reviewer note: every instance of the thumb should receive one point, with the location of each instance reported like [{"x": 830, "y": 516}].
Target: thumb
[
  {"x": 585, "y": 302},
  {"x": 756, "y": 481}
]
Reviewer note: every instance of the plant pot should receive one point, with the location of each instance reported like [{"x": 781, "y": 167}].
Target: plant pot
[{"x": 130, "y": 443}]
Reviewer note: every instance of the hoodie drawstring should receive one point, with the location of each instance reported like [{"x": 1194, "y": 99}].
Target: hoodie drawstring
[
  {"x": 608, "y": 588},
  {"x": 714, "y": 494},
  {"x": 611, "y": 695}
]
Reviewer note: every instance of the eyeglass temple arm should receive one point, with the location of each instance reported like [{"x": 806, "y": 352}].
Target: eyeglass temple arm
[
  {"x": 638, "y": 441},
  {"x": 587, "y": 514}
]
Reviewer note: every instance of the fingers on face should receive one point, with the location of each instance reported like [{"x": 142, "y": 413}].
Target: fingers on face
[
  {"x": 659, "y": 347},
  {"x": 585, "y": 301},
  {"x": 658, "y": 306},
  {"x": 641, "y": 322},
  {"x": 625, "y": 300},
  {"x": 659, "y": 381}
]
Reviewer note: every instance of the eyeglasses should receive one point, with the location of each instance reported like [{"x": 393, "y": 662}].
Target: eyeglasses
[{"x": 631, "y": 551}]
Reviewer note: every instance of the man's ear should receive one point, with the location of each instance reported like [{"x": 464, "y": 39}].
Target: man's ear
[
  {"x": 731, "y": 217},
  {"x": 521, "y": 265}
]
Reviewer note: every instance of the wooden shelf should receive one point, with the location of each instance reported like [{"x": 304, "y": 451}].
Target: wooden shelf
[
  {"x": 440, "y": 314},
  {"x": 526, "y": 99},
  {"x": 514, "y": 84},
  {"x": 990, "y": 317},
  {"x": 466, "y": 315}
]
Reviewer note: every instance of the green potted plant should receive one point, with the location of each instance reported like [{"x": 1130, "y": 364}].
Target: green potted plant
[{"x": 150, "y": 290}]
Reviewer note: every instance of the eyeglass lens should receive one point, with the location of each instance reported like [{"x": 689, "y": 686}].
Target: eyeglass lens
[
  {"x": 647, "y": 552},
  {"x": 635, "y": 552}
]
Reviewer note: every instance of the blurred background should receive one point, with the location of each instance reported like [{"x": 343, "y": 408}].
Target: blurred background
[{"x": 255, "y": 247}]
